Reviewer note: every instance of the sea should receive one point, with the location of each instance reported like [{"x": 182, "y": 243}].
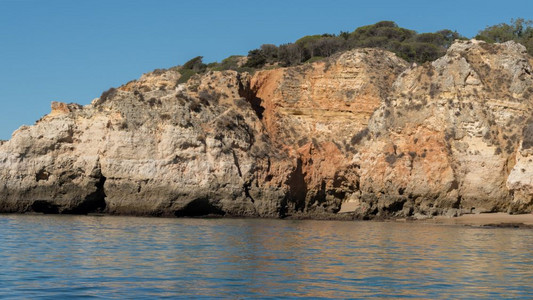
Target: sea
[{"x": 109, "y": 257}]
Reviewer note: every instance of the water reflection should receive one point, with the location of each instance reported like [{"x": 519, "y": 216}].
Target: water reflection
[{"x": 65, "y": 256}]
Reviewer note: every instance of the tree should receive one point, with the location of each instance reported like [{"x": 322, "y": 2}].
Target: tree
[
  {"x": 449, "y": 37},
  {"x": 529, "y": 44},
  {"x": 387, "y": 35},
  {"x": 228, "y": 63},
  {"x": 520, "y": 30},
  {"x": 270, "y": 52},
  {"x": 432, "y": 38},
  {"x": 496, "y": 34},
  {"x": 505, "y": 32},
  {"x": 305, "y": 45},
  {"x": 344, "y": 34},
  {"x": 290, "y": 54},
  {"x": 382, "y": 35},
  {"x": 326, "y": 46},
  {"x": 256, "y": 59},
  {"x": 195, "y": 64},
  {"x": 426, "y": 52}
]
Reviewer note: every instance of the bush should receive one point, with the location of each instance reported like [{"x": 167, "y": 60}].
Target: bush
[
  {"x": 229, "y": 63},
  {"x": 270, "y": 52},
  {"x": 308, "y": 39},
  {"x": 379, "y": 35},
  {"x": 195, "y": 64},
  {"x": 387, "y": 35},
  {"x": 357, "y": 138},
  {"x": 289, "y": 55},
  {"x": 527, "y": 135},
  {"x": 246, "y": 69},
  {"x": 426, "y": 52},
  {"x": 256, "y": 59},
  {"x": 519, "y": 30},
  {"x": 110, "y": 93},
  {"x": 326, "y": 46},
  {"x": 432, "y": 38},
  {"x": 314, "y": 59},
  {"x": 186, "y": 74},
  {"x": 207, "y": 97}
]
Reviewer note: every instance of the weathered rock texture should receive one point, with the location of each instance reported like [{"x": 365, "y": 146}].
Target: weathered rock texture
[
  {"x": 447, "y": 139},
  {"x": 362, "y": 134}
]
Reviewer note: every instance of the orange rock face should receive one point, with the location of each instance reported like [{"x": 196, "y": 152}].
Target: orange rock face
[
  {"x": 328, "y": 100},
  {"x": 313, "y": 112},
  {"x": 440, "y": 138}
]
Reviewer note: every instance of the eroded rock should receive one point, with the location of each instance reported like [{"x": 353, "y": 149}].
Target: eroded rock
[{"x": 361, "y": 134}]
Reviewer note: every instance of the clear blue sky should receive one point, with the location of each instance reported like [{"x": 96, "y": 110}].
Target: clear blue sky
[{"x": 72, "y": 50}]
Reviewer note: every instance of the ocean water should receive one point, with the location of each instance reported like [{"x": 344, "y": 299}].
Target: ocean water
[{"x": 51, "y": 257}]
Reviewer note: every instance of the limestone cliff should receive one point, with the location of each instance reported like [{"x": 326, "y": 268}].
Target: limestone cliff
[
  {"x": 147, "y": 148},
  {"x": 447, "y": 139},
  {"x": 313, "y": 111},
  {"x": 361, "y": 133}
]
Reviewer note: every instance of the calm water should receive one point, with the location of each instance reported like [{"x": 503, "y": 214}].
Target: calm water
[{"x": 126, "y": 257}]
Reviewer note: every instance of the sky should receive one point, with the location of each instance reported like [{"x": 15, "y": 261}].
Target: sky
[{"x": 71, "y": 51}]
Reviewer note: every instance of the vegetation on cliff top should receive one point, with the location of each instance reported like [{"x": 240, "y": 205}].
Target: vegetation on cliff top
[
  {"x": 519, "y": 30},
  {"x": 406, "y": 43},
  {"x": 387, "y": 35}
]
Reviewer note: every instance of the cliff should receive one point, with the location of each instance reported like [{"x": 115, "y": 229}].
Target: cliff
[{"x": 359, "y": 135}]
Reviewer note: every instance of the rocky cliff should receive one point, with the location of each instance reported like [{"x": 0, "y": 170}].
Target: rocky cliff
[{"x": 359, "y": 135}]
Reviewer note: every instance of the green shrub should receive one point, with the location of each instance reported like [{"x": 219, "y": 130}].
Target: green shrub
[
  {"x": 406, "y": 43},
  {"x": 195, "y": 64},
  {"x": 186, "y": 74},
  {"x": 229, "y": 63},
  {"x": 270, "y": 52},
  {"x": 256, "y": 59},
  {"x": 246, "y": 69},
  {"x": 110, "y": 93},
  {"x": 290, "y": 55},
  {"x": 314, "y": 59},
  {"x": 519, "y": 30}
]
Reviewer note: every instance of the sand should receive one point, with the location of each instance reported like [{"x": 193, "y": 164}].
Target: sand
[{"x": 487, "y": 219}]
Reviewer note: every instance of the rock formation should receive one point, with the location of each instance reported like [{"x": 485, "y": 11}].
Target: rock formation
[
  {"x": 359, "y": 135},
  {"x": 447, "y": 139}
]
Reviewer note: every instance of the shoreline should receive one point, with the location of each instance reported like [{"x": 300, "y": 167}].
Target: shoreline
[{"x": 499, "y": 219}]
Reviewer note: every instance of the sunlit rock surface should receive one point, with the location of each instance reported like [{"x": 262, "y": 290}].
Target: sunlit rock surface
[{"x": 359, "y": 135}]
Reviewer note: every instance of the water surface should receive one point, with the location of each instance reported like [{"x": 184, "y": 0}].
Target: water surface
[{"x": 127, "y": 257}]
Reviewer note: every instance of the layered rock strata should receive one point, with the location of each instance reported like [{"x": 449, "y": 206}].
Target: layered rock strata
[
  {"x": 447, "y": 139},
  {"x": 359, "y": 135}
]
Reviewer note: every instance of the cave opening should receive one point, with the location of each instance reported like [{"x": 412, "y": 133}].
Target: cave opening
[
  {"x": 200, "y": 207},
  {"x": 45, "y": 207},
  {"x": 94, "y": 202}
]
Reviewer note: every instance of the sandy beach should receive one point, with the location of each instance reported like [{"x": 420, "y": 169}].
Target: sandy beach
[{"x": 486, "y": 219}]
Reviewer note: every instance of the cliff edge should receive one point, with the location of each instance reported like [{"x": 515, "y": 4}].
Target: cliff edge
[{"x": 362, "y": 134}]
